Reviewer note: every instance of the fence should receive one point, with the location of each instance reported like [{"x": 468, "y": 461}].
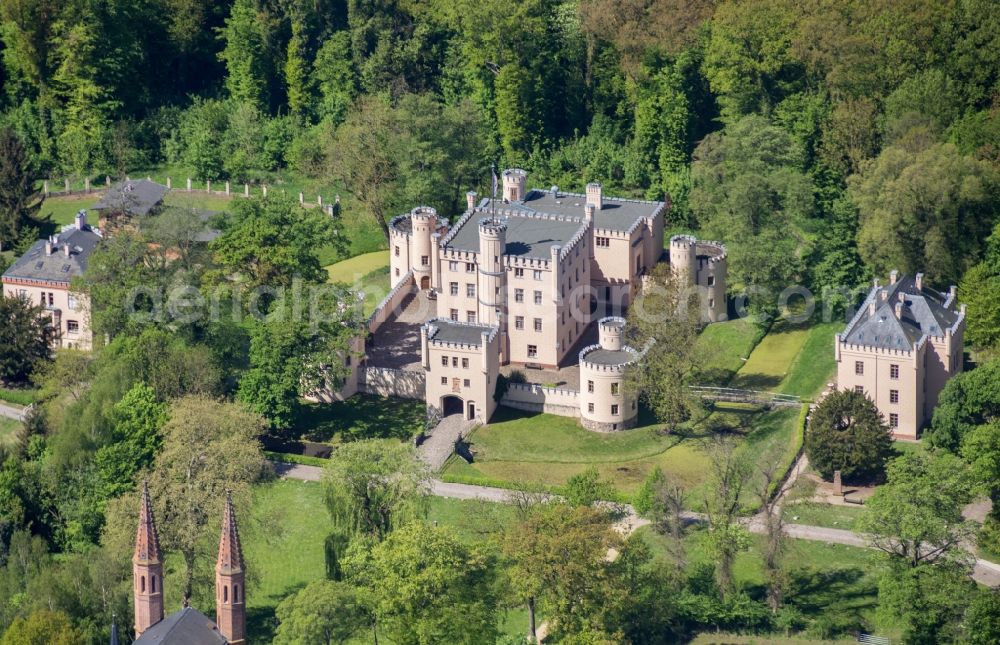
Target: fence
[
  {"x": 229, "y": 190},
  {"x": 736, "y": 395}
]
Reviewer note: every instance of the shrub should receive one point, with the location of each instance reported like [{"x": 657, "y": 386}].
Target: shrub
[{"x": 847, "y": 433}]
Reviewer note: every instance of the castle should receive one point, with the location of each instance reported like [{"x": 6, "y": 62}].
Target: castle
[
  {"x": 900, "y": 349},
  {"x": 520, "y": 280},
  {"x": 187, "y": 626}
]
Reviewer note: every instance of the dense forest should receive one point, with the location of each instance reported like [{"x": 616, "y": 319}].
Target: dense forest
[{"x": 826, "y": 142}]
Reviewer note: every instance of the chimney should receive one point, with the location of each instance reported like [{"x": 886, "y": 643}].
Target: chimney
[
  {"x": 48, "y": 247},
  {"x": 595, "y": 195},
  {"x": 899, "y": 310},
  {"x": 67, "y": 249},
  {"x": 588, "y": 212},
  {"x": 470, "y": 199},
  {"x": 81, "y": 220},
  {"x": 919, "y": 280},
  {"x": 883, "y": 294},
  {"x": 871, "y": 308},
  {"x": 893, "y": 276},
  {"x": 953, "y": 292}
]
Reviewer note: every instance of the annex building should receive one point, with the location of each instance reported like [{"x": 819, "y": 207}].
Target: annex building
[
  {"x": 536, "y": 279},
  {"x": 900, "y": 349}
]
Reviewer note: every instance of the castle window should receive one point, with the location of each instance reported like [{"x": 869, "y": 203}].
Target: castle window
[
  {"x": 538, "y": 324},
  {"x": 397, "y": 251},
  {"x": 711, "y": 280},
  {"x": 71, "y": 302},
  {"x": 397, "y": 272},
  {"x": 470, "y": 316},
  {"x": 893, "y": 420},
  {"x": 453, "y": 288},
  {"x": 424, "y": 260},
  {"x": 711, "y": 303},
  {"x": 614, "y": 389},
  {"x": 444, "y": 380},
  {"x": 518, "y": 295},
  {"x": 225, "y": 593},
  {"x": 152, "y": 584},
  {"x": 444, "y": 361},
  {"x": 519, "y": 322},
  {"x": 532, "y": 351},
  {"x": 859, "y": 368},
  {"x": 602, "y": 241},
  {"x": 466, "y": 382},
  {"x": 860, "y": 389},
  {"x": 236, "y": 593},
  {"x": 590, "y": 386},
  {"x": 72, "y": 327},
  {"x": 470, "y": 267},
  {"x": 142, "y": 584},
  {"x": 453, "y": 266},
  {"x": 590, "y": 408},
  {"x": 454, "y": 314},
  {"x": 538, "y": 297},
  {"x": 894, "y": 371},
  {"x": 614, "y": 410},
  {"x": 454, "y": 361},
  {"x": 537, "y": 274},
  {"x": 470, "y": 290},
  {"x": 893, "y": 396},
  {"x": 465, "y": 363},
  {"x": 518, "y": 272}
]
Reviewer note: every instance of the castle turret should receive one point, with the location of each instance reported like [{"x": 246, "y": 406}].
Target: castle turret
[
  {"x": 147, "y": 569},
  {"x": 606, "y": 404},
  {"x": 595, "y": 195},
  {"x": 424, "y": 223},
  {"x": 515, "y": 183},
  {"x": 683, "y": 257},
  {"x": 492, "y": 287},
  {"x": 230, "y": 607}
]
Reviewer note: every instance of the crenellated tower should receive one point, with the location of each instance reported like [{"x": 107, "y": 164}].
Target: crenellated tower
[
  {"x": 422, "y": 256},
  {"x": 230, "y": 608},
  {"x": 515, "y": 183},
  {"x": 147, "y": 569}
]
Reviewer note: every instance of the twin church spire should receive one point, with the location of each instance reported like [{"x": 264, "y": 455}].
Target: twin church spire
[{"x": 147, "y": 572}]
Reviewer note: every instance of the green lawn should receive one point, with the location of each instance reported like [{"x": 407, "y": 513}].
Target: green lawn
[
  {"x": 63, "y": 210},
  {"x": 827, "y": 515},
  {"x": 7, "y": 429},
  {"x": 18, "y": 396},
  {"x": 367, "y": 273},
  {"x": 199, "y": 200},
  {"x": 814, "y": 365},
  {"x": 284, "y": 544},
  {"x": 546, "y": 450},
  {"x": 360, "y": 417},
  {"x": 827, "y": 582},
  {"x": 723, "y": 347}
]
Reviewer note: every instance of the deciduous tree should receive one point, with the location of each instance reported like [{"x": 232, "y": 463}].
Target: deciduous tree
[
  {"x": 847, "y": 433},
  {"x": 25, "y": 338},
  {"x": 324, "y": 611}
]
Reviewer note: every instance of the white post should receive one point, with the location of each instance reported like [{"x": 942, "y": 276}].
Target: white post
[
  {"x": 86, "y": 184},
  {"x": 263, "y": 188},
  {"x": 66, "y": 184},
  {"x": 319, "y": 200},
  {"x": 246, "y": 190},
  {"x": 302, "y": 199},
  {"x": 208, "y": 185},
  {"x": 227, "y": 189},
  {"x": 107, "y": 180},
  {"x": 169, "y": 184},
  {"x": 189, "y": 184},
  {"x": 45, "y": 187}
]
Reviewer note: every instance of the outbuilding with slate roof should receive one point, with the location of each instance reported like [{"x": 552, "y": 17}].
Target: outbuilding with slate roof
[{"x": 901, "y": 348}]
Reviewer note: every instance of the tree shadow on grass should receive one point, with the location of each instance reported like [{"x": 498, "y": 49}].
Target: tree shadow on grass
[
  {"x": 754, "y": 381},
  {"x": 815, "y": 592},
  {"x": 360, "y": 417}
]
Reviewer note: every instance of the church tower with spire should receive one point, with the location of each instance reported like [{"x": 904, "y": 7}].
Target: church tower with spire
[
  {"x": 147, "y": 569},
  {"x": 230, "y": 609}
]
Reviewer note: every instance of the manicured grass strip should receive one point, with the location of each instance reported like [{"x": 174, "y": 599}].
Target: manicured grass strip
[
  {"x": 18, "y": 396},
  {"x": 63, "y": 210},
  {"x": 826, "y": 515},
  {"x": 292, "y": 458},
  {"x": 723, "y": 347},
  {"x": 815, "y": 364},
  {"x": 354, "y": 269},
  {"x": 772, "y": 358}
]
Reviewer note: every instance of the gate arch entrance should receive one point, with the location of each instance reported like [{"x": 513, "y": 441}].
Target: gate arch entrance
[{"x": 452, "y": 405}]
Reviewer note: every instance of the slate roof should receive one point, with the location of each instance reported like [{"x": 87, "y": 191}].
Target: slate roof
[
  {"x": 923, "y": 313},
  {"x": 526, "y": 236},
  {"x": 449, "y": 331},
  {"x": 616, "y": 214},
  {"x": 136, "y": 197},
  {"x": 36, "y": 265},
  {"x": 185, "y": 627}
]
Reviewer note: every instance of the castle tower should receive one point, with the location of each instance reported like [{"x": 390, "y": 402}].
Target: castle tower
[
  {"x": 230, "y": 609},
  {"x": 595, "y": 195},
  {"x": 147, "y": 569},
  {"x": 492, "y": 287},
  {"x": 683, "y": 257},
  {"x": 606, "y": 404},
  {"x": 515, "y": 183},
  {"x": 610, "y": 332},
  {"x": 424, "y": 221}
]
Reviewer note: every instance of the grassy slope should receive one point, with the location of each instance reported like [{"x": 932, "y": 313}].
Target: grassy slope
[
  {"x": 7, "y": 429},
  {"x": 814, "y": 365},
  {"x": 791, "y": 359},
  {"x": 284, "y": 546},
  {"x": 548, "y": 450},
  {"x": 367, "y": 273},
  {"x": 62, "y": 210}
]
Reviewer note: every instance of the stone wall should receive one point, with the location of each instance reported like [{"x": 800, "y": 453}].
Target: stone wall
[
  {"x": 532, "y": 397},
  {"x": 385, "y": 381},
  {"x": 391, "y": 303}
]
